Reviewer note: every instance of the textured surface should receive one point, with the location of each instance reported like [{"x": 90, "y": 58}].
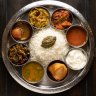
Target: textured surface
[{"x": 8, "y": 87}]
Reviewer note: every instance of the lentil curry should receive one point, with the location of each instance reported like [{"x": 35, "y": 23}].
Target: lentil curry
[{"x": 32, "y": 72}]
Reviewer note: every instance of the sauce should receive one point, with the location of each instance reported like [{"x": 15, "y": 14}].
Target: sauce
[
  {"x": 32, "y": 72},
  {"x": 25, "y": 32},
  {"x": 76, "y": 36},
  {"x": 21, "y": 31}
]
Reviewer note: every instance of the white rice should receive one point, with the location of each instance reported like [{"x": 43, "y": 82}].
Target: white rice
[{"x": 47, "y": 55}]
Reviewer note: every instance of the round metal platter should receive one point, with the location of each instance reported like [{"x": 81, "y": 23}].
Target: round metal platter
[{"x": 47, "y": 87}]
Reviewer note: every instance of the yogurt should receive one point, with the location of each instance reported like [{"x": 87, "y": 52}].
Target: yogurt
[{"x": 76, "y": 59}]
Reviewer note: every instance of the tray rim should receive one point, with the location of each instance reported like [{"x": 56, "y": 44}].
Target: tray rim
[{"x": 57, "y": 89}]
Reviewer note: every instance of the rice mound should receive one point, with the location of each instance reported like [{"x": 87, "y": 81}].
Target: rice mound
[{"x": 47, "y": 55}]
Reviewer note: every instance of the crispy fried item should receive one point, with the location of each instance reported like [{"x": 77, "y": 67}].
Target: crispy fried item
[{"x": 58, "y": 71}]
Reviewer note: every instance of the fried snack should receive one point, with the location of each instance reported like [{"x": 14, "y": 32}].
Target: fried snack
[{"x": 58, "y": 71}]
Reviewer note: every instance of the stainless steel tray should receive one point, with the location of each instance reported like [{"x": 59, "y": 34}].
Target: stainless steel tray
[{"x": 47, "y": 87}]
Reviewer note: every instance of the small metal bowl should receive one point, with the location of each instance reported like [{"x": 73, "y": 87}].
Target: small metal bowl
[
  {"x": 18, "y": 63},
  {"x": 70, "y": 17},
  {"x": 81, "y": 28},
  {"x": 29, "y": 81},
  {"x": 69, "y": 65},
  {"x": 50, "y": 75},
  {"x": 19, "y": 24},
  {"x": 39, "y": 28}
]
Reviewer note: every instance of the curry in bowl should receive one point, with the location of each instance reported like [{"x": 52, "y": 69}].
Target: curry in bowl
[{"x": 32, "y": 72}]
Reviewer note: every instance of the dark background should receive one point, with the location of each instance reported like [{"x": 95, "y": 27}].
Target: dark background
[{"x": 8, "y": 87}]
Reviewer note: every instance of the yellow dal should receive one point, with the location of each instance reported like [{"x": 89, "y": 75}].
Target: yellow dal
[{"x": 32, "y": 72}]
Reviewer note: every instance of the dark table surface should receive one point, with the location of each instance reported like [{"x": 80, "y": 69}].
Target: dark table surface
[{"x": 9, "y": 87}]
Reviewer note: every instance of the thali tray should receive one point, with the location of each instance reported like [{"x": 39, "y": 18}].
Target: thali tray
[{"x": 47, "y": 87}]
